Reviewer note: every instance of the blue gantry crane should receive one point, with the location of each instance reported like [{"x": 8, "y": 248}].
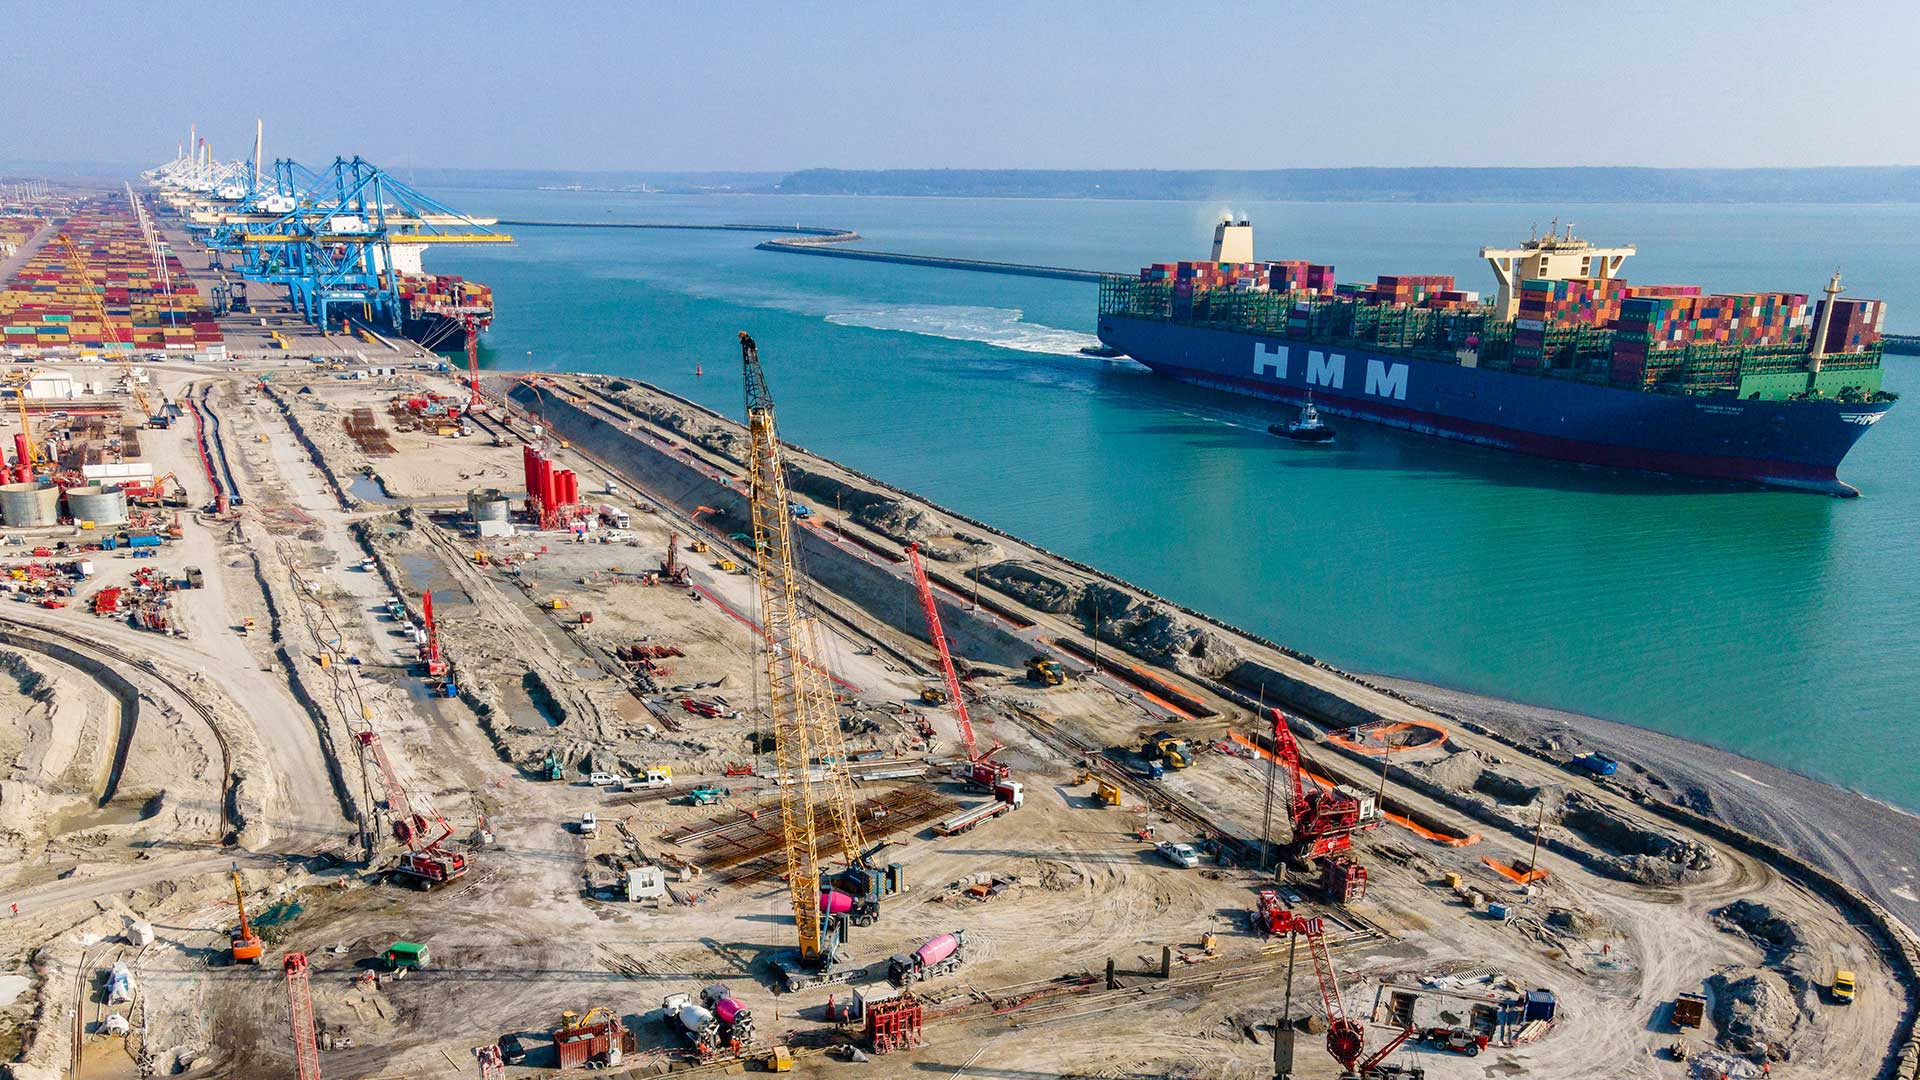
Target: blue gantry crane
[{"x": 353, "y": 230}]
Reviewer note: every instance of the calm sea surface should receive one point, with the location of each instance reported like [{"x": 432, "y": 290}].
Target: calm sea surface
[{"x": 1783, "y": 626}]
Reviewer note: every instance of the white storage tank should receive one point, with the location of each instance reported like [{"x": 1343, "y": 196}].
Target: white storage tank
[
  {"x": 102, "y": 504},
  {"x": 31, "y": 505},
  {"x": 489, "y": 509}
]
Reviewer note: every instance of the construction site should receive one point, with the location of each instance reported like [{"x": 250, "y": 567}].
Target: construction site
[{"x": 372, "y": 717}]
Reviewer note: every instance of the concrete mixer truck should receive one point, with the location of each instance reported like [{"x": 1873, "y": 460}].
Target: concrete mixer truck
[{"x": 937, "y": 957}]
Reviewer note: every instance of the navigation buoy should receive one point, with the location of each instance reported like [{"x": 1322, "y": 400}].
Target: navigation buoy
[{"x": 698, "y": 371}]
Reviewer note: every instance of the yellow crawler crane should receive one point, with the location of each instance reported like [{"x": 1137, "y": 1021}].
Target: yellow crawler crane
[{"x": 814, "y": 798}]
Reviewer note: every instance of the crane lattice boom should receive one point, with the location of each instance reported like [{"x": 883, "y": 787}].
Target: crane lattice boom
[
  {"x": 306, "y": 1051},
  {"x": 801, "y": 706}
]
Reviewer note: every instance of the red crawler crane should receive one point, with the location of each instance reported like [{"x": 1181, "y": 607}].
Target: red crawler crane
[
  {"x": 306, "y": 1051},
  {"x": 1323, "y": 821},
  {"x": 982, "y": 770},
  {"x": 415, "y": 824},
  {"x": 1346, "y": 1038},
  {"x": 436, "y": 663}
]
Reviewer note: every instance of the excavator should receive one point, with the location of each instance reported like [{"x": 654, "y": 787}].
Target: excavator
[{"x": 246, "y": 945}]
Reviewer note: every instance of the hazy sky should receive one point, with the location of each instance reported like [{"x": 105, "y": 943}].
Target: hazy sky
[{"x": 1172, "y": 84}]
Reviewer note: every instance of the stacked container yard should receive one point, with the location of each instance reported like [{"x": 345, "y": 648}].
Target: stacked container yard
[{"x": 47, "y": 306}]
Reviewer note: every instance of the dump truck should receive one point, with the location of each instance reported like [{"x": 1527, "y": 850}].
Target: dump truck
[
  {"x": 1689, "y": 1010},
  {"x": 1045, "y": 672},
  {"x": 1168, "y": 749}
]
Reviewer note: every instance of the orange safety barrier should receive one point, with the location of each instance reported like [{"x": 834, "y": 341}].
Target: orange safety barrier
[{"x": 1518, "y": 877}]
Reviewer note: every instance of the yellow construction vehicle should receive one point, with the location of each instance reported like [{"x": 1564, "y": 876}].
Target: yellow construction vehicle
[
  {"x": 1168, "y": 749},
  {"x": 558, "y": 604},
  {"x": 1105, "y": 791},
  {"x": 932, "y": 695},
  {"x": 1045, "y": 672},
  {"x": 479, "y": 557}
]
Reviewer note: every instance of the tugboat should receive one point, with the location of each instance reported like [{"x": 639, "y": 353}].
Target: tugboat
[{"x": 1308, "y": 429}]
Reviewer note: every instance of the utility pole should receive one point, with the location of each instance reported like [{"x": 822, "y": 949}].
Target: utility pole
[
  {"x": 1380, "y": 797},
  {"x": 1283, "y": 1038},
  {"x": 1539, "y": 822}
]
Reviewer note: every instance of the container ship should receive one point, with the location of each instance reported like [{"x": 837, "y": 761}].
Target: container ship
[
  {"x": 1569, "y": 361},
  {"x": 436, "y": 310}
]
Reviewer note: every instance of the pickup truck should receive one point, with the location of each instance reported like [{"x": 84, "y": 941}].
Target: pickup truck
[
  {"x": 654, "y": 779},
  {"x": 1180, "y": 855}
]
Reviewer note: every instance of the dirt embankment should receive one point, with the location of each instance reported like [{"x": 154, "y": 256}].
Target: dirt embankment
[
  {"x": 1149, "y": 630},
  {"x": 898, "y": 519}
]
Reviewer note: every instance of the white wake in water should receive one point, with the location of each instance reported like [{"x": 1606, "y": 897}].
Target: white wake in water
[{"x": 1004, "y": 327}]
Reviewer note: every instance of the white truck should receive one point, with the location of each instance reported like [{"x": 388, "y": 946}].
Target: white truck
[
  {"x": 589, "y": 824},
  {"x": 656, "y": 777},
  {"x": 1007, "y": 796}
]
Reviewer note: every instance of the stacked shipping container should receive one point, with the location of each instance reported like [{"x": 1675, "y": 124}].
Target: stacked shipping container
[
  {"x": 1600, "y": 328},
  {"x": 46, "y": 306},
  {"x": 444, "y": 294}
]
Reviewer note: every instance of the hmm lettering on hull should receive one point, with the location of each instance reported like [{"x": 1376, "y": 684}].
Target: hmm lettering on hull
[{"x": 1384, "y": 379}]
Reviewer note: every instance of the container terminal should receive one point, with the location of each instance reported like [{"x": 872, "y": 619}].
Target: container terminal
[{"x": 372, "y": 718}]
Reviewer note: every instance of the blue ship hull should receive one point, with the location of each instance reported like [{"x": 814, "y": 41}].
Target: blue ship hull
[{"x": 1789, "y": 444}]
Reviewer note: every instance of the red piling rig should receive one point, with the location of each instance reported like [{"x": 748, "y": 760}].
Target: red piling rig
[
  {"x": 420, "y": 827},
  {"x": 472, "y": 327},
  {"x": 436, "y": 663},
  {"x": 1346, "y": 1037},
  {"x": 1323, "y": 821},
  {"x": 306, "y": 1050}
]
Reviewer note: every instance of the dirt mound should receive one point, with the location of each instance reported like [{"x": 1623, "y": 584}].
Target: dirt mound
[
  {"x": 1756, "y": 1012},
  {"x": 1637, "y": 851},
  {"x": 1155, "y": 632},
  {"x": 1588, "y": 924},
  {"x": 1456, "y": 772},
  {"x": 1030, "y": 585},
  {"x": 1771, "y": 932}
]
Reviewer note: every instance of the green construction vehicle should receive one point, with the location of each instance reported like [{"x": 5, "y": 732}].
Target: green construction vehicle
[
  {"x": 551, "y": 768},
  {"x": 706, "y": 795}
]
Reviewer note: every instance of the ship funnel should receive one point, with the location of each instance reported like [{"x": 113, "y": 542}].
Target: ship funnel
[{"x": 1233, "y": 241}]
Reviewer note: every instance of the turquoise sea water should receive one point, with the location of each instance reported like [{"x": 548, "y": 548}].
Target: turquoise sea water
[{"x": 1783, "y": 626}]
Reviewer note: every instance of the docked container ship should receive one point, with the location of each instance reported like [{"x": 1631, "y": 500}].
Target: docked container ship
[
  {"x": 436, "y": 310},
  {"x": 1569, "y": 361}
]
